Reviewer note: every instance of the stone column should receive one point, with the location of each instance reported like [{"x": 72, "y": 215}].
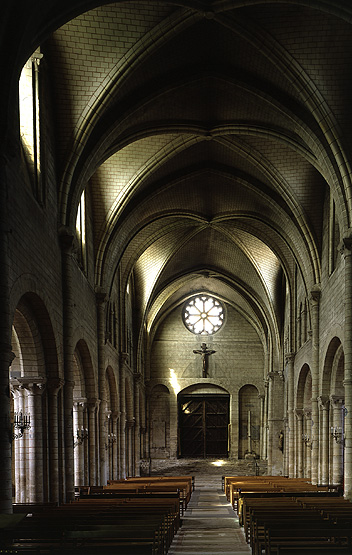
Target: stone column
[
  {"x": 92, "y": 429},
  {"x": 17, "y": 407},
  {"x": 66, "y": 241},
  {"x": 324, "y": 452},
  {"x": 308, "y": 443},
  {"x": 137, "y": 436},
  {"x": 275, "y": 418},
  {"x": 265, "y": 422},
  {"x": 35, "y": 486},
  {"x": 122, "y": 434},
  {"x": 6, "y": 358},
  {"x": 78, "y": 425},
  {"x": 101, "y": 299},
  {"x": 290, "y": 357},
  {"x": 299, "y": 442},
  {"x": 22, "y": 451},
  {"x": 53, "y": 387},
  {"x": 315, "y": 299},
  {"x": 130, "y": 426},
  {"x": 115, "y": 445},
  {"x": 286, "y": 447},
  {"x": 261, "y": 399},
  {"x": 347, "y": 346},
  {"x": 270, "y": 422},
  {"x": 337, "y": 445}
]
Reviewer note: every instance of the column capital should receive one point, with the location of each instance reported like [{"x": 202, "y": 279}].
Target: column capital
[
  {"x": 315, "y": 293},
  {"x": 298, "y": 413},
  {"x": 289, "y": 357},
  {"x": 80, "y": 402},
  {"x": 93, "y": 403},
  {"x": 115, "y": 414},
  {"x": 130, "y": 423},
  {"x": 345, "y": 247},
  {"x": 124, "y": 358},
  {"x": 323, "y": 401},
  {"x": 35, "y": 385},
  {"x": 54, "y": 385},
  {"x": 307, "y": 413},
  {"x": 101, "y": 295},
  {"x": 337, "y": 401}
]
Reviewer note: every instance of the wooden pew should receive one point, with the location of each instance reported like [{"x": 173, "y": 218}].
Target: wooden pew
[
  {"x": 100, "y": 525},
  {"x": 281, "y": 515}
]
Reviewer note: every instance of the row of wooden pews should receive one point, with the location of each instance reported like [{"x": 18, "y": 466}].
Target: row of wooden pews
[
  {"x": 283, "y": 516},
  {"x": 108, "y": 520}
]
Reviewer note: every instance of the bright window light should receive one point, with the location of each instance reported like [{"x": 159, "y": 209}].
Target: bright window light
[{"x": 203, "y": 315}]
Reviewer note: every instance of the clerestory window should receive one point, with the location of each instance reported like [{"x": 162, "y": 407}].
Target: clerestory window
[
  {"x": 29, "y": 111},
  {"x": 81, "y": 232}
]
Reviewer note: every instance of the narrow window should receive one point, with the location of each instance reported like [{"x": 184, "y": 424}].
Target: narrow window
[
  {"x": 81, "y": 232},
  {"x": 334, "y": 237},
  {"x": 29, "y": 110}
]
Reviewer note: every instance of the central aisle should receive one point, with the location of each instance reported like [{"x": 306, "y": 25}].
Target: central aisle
[{"x": 210, "y": 525}]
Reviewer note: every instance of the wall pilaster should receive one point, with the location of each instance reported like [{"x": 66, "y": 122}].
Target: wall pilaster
[
  {"x": 315, "y": 301},
  {"x": 346, "y": 250}
]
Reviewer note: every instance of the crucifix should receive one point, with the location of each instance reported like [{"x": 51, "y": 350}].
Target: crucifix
[{"x": 205, "y": 354}]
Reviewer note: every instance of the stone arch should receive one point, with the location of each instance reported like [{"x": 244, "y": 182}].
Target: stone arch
[
  {"x": 83, "y": 363},
  {"x": 111, "y": 390},
  {"x": 304, "y": 415},
  {"x": 303, "y": 392},
  {"x": 333, "y": 389},
  {"x": 338, "y": 373},
  {"x": 204, "y": 388},
  {"x": 32, "y": 375},
  {"x": 330, "y": 363},
  {"x": 84, "y": 394},
  {"x": 33, "y": 340}
]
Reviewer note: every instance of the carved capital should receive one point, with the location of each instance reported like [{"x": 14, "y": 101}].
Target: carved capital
[
  {"x": 307, "y": 413},
  {"x": 323, "y": 401},
  {"x": 101, "y": 295},
  {"x": 289, "y": 357},
  {"x": 124, "y": 358},
  {"x": 315, "y": 293},
  {"x": 54, "y": 385},
  {"x": 92, "y": 404},
  {"x": 80, "y": 403},
  {"x": 34, "y": 386},
  {"x": 337, "y": 401},
  {"x": 130, "y": 423},
  {"x": 345, "y": 247},
  {"x": 115, "y": 415}
]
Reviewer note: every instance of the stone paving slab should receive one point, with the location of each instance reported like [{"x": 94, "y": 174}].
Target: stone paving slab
[{"x": 209, "y": 525}]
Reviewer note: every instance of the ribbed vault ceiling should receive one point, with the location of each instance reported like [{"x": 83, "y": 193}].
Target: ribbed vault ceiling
[{"x": 206, "y": 135}]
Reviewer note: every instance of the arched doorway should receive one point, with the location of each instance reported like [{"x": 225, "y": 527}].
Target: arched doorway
[{"x": 203, "y": 422}]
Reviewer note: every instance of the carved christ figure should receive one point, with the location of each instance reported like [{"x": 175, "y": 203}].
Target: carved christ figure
[{"x": 205, "y": 354}]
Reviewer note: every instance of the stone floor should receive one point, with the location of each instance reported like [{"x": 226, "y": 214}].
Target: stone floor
[{"x": 209, "y": 526}]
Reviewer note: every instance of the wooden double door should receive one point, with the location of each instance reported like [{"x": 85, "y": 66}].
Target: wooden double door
[{"x": 203, "y": 422}]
